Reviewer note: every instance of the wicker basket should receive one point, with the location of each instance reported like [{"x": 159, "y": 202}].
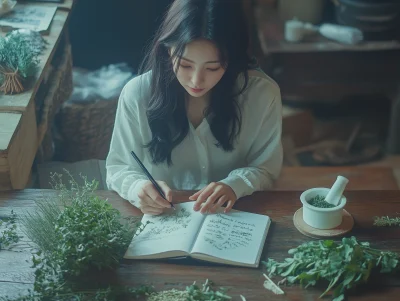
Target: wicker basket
[
  {"x": 57, "y": 90},
  {"x": 84, "y": 130}
]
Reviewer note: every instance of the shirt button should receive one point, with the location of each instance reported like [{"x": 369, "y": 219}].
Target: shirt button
[{"x": 203, "y": 167}]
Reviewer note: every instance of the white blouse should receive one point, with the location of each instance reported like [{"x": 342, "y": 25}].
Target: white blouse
[{"x": 253, "y": 165}]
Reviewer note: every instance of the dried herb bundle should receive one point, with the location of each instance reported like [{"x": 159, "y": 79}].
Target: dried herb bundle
[
  {"x": 192, "y": 292},
  {"x": 319, "y": 202},
  {"x": 17, "y": 63}
]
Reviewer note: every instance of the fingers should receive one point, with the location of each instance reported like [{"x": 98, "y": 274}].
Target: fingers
[
  {"x": 203, "y": 195},
  {"x": 222, "y": 200},
  {"x": 229, "y": 206},
  {"x": 211, "y": 200},
  {"x": 196, "y": 195},
  {"x": 152, "y": 192},
  {"x": 167, "y": 190},
  {"x": 151, "y": 210},
  {"x": 151, "y": 201},
  {"x": 146, "y": 201}
]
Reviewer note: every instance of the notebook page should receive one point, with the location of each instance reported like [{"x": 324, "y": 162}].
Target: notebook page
[
  {"x": 236, "y": 236},
  {"x": 171, "y": 231}
]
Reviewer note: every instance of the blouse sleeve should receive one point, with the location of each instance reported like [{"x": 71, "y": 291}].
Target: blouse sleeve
[
  {"x": 123, "y": 175},
  {"x": 265, "y": 156}
]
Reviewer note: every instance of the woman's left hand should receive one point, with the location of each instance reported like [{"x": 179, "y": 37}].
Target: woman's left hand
[{"x": 214, "y": 195}]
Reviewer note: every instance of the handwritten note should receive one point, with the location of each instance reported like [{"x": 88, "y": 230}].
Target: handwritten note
[
  {"x": 227, "y": 233},
  {"x": 165, "y": 225},
  {"x": 171, "y": 231}
]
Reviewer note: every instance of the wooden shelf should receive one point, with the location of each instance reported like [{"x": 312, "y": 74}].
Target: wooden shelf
[
  {"x": 21, "y": 101},
  {"x": 270, "y": 31},
  {"x": 18, "y": 121}
]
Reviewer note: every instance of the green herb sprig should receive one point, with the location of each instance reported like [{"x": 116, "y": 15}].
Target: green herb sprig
[
  {"x": 344, "y": 265},
  {"x": 9, "y": 234},
  {"x": 386, "y": 221}
]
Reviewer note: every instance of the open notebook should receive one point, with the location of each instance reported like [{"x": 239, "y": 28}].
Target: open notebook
[{"x": 235, "y": 238}]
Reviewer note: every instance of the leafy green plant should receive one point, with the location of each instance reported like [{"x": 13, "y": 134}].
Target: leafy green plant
[
  {"x": 344, "y": 265},
  {"x": 76, "y": 232}
]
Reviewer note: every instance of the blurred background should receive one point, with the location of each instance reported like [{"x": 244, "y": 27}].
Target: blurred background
[{"x": 336, "y": 62}]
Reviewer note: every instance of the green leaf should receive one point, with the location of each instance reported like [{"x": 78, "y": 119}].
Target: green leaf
[
  {"x": 348, "y": 279},
  {"x": 329, "y": 243},
  {"x": 339, "y": 298}
]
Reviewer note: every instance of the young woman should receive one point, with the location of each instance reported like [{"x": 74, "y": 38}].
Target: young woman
[{"x": 199, "y": 117}]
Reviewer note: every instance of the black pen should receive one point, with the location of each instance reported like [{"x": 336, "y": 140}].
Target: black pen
[{"x": 150, "y": 178}]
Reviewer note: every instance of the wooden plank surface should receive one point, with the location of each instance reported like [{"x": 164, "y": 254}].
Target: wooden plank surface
[
  {"x": 279, "y": 205},
  {"x": 9, "y": 122},
  {"x": 360, "y": 178},
  {"x": 19, "y": 102},
  {"x": 22, "y": 150},
  {"x": 17, "y": 148}
]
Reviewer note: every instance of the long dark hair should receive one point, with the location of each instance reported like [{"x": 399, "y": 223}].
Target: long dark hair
[{"x": 221, "y": 22}]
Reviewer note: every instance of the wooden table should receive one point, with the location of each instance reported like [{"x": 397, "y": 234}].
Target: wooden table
[
  {"x": 24, "y": 117},
  {"x": 16, "y": 275}
]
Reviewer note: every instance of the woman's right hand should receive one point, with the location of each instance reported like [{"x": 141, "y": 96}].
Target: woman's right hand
[{"x": 151, "y": 202}]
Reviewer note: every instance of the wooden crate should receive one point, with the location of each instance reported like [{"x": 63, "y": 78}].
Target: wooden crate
[
  {"x": 18, "y": 143},
  {"x": 22, "y": 133}
]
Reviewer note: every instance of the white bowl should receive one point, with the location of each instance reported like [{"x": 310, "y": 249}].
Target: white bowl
[{"x": 321, "y": 218}]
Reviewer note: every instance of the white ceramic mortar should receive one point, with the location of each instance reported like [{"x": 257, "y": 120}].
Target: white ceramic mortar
[{"x": 321, "y": 218}]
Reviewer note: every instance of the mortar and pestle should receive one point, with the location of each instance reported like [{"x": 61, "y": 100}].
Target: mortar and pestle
[{"x": 329, "y": 221}]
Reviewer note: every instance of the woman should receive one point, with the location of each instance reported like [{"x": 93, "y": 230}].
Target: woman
[{"x": 199, "y": 117}]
